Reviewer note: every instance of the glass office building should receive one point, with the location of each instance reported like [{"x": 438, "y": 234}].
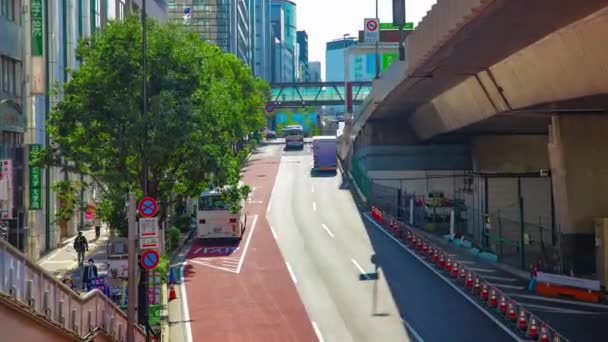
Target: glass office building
[{"x": 225, "y": 23}]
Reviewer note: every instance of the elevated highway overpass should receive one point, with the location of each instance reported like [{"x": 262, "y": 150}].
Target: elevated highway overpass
[{"x": 523, "y": 85}]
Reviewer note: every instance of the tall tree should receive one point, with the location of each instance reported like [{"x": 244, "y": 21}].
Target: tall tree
[{"x": 201, "y": 101}]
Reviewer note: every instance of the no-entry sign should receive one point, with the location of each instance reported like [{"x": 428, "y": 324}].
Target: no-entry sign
[
  {"x": 372, "y": 32},
  {"x": 150, "y": 259}
]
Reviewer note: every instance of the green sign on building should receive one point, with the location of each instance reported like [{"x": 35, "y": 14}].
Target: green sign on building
[
  {"x": 390, "y": 26},
  {"x": 35, "y": 180},
  {"x": 37, "y": 27}
]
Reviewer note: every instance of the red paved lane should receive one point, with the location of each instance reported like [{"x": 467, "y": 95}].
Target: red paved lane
[{"x": 260, "y": 303}]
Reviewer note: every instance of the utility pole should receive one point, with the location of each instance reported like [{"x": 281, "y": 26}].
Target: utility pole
[
  {"x": 144, "y": 306},
  {"x": 132, "y": 259},
  {"x": 399, "y": 20}
]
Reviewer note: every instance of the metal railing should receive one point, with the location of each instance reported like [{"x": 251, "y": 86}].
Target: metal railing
[{"x": 37, "y": 291}]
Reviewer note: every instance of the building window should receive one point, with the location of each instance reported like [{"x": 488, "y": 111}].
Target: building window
[
  {"x": 8, "y": 10},
  {"x": 10, "y": 75}
]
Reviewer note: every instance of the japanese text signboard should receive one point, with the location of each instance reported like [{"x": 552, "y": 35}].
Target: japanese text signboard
[
  {"x": 36, "y": 11},
  {"x": 35, "y": 181}
]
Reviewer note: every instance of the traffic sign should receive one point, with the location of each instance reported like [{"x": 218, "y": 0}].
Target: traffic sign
[
  {"x": 148, "y": 227},
  {"x": 148, "y": 207},
  {"x": 149, "y": 242},
  {"x": 269, "y": 108},
  {"x": 372, "y": 32},
  {"x": 150, "y": 259}
]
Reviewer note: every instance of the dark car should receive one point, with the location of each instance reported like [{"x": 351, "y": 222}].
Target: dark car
[{"x": 271, "y": 135}]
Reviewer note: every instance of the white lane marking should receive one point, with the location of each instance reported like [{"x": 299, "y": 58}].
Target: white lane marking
[
  {"x": 361, "y": 270},
  {"x": 255, "y": 220},
  {"x": 468, "y": 262},
  {"x": 556, "y": 310},
  {"x": 317, "y": 331},
  {"x": 197, "y": 250},
  {"x": 312, "y": 188},
  {"x": 481, "y": 270},
  {"x": 293, "y": 276},
  {"x": 557, "y": 300},
  {"x": 269, "y": 206},
  {"x": 274, "y": 234},
  {"x": 314, "y": 206},
  {"x": 410, "y": 329},
  {"x": 450, "y": 283},
  {"x": 185, "y": 310},
  {"x": 327, "y": 230},
  {"x": 514, "y": 287},
  {"x": 499, "y": 278}
]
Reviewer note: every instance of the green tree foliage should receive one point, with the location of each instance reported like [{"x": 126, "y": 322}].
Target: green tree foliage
[{"x": 201, "y": 102}]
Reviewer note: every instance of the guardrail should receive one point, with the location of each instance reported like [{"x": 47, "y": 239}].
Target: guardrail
[
  {"x": 526, "y": 322},
  {"x": 33, "y": 289}
]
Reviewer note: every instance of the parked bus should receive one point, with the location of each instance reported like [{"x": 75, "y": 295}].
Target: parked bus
[
  {"x": 324, "y": 153},
  {"x": 214, "y": 219},
  {"x": 294, "y": 136}
]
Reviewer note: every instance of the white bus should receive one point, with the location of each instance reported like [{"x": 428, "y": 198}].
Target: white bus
[{"x": 214, "y": 220}]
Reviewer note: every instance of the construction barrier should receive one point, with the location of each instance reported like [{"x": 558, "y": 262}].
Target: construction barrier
[{"x": 513, "y": 312}]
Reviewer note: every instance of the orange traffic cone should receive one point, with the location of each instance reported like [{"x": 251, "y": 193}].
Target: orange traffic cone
[
  {"x": 511, "y": 316},
  {"x": 522, "y": 323},
  {"x": 463, "y": 273},
  {"x": 441, "y": 262},
  {"x": 544, "y": 335},
  {"x": 493, "y": 301},
  {"x": 455, "y": 270},
  {"x": 435, "y": 256},
  {"x": 484, "y": 293},
  {"x": 503, "y": 305},
  {"x": 172, "y": 294},
  {"x": 477, "y": 287},
  {"x": 533, "y": 330},
  {"x": 448, "y": 265},
  {"x": 469, "y": 283}
]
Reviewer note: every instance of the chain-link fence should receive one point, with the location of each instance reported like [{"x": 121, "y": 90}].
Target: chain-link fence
[{"x": 510, "y": 235}]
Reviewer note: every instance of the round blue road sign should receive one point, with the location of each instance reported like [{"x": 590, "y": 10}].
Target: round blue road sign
[
  {"x": 269, "y": 108},
  {"x": 150, "y": 259},
  {"x": 148, "y": 207}
]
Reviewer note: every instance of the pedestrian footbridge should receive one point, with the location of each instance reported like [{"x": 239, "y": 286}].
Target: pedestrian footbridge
[{"x": 317, "y": 93}]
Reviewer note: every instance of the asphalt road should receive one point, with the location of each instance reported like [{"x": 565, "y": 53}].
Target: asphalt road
[{"x": 327, "y": 246}]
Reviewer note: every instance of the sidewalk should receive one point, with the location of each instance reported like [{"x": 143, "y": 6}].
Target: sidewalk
[{"x": 64, "y": 261}]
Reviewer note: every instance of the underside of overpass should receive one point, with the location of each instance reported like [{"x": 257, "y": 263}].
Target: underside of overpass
[{"x": 525, "y": 86}]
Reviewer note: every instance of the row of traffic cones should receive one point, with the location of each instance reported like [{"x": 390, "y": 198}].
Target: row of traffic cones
[{"x": 471, "y": 282}]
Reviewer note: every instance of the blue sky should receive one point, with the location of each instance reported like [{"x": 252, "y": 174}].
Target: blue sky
[{"x": 326, "y": 20}]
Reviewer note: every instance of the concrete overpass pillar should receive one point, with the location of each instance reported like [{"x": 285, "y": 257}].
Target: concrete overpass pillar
[{"x": 579, "y": 166}]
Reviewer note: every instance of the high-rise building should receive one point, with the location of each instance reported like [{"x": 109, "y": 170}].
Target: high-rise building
[
  {"x": 334, "y": 59},
  {"x": 261, "y": 38},
  {"x": 314, "y": 71},
  {"x": 283, "y": 17},
  {"x": 35, "y": 58},
  {"x": 303, "y": 72},
  {"x": 12, "y": 121},
  {"x": 220, "y": 22}
]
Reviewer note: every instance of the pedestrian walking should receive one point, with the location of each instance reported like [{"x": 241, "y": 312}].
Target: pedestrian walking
[
  {"x": 89, "y": 273},
  {"x": 81, "y": 246},
  {"x": 97, "y": 223}
]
